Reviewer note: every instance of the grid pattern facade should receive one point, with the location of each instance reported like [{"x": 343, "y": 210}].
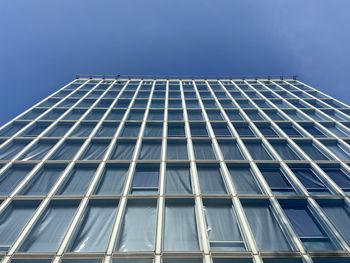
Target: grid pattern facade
[{"x": 169, "y": 170}]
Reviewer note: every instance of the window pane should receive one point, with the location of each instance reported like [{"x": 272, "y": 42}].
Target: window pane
[
  {"x": 210, "y": 180},
  {"x": 66, "y": 151},
  {"x": 177, "y": 150},
  {"x": 107, "y": 130},
  {"x": 230, "y": 150},
  {"x": 244, "y": 180},
  {"x": 13, "y": 220},
  {"x": 203, "y": 151},
  {"x": 310, "y": 180},
  {"x": 123, "y": 150},
  {"x": 93, "y": 233},
  {"x": 11, "y": 178},
  {"x": 277, "y": 180},
  {"x": 83, "y": 130},
  {"x": 153, "y": 130},
  {"x": 180, "y": 233},
  {"x": 95, "y": 151},
  {"x": 78, "y": 181},
  {"x": 59, "y": 130},
  {"x": 49, "y": 231},
  {"x": 130, "y": 130},
  {"x": 112, "y": 182},
  {"x": 257, "y": 150},
  {"x": 138, "y": 228},
  {"x": 284, "y": 150},
  {"x": 43, "y": 181},
  {"x": 266, "y": 230},
  {"x": 145, "y": 180},
  {"x": 178, "y": 180},
  {"x": 150, "y": 150},
  {"x": 313, "y": 152},
  {"x": 12, "y": 149},
  {"x": 340, "y": 177}
]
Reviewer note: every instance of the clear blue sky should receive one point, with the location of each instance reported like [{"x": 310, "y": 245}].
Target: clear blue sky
[{"x": 43, "y": 44}]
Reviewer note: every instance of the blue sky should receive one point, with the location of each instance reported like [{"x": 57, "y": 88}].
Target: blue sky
[{"x": 43, "y": 44}]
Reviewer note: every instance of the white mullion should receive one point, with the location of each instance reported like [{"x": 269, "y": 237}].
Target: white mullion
[
  {"x": 31, "y": 223},
  {"x": 238, "y": 209},
  {"x": 161, "y": 201},
  {"x": 311, "y": 201},
  {"x": 330, "y": 182},
  {"x": 200, "y": 217},
  {"x": 123, "y": 202}
]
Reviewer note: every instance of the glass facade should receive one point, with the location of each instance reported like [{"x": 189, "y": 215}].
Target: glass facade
[{"x": 169, "y": 170}]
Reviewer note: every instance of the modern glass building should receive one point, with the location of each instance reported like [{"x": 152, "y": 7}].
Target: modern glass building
[{"x": 132, "y": 170}]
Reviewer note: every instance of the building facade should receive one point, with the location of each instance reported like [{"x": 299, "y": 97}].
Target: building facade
[{"x": 125, "y": 170}]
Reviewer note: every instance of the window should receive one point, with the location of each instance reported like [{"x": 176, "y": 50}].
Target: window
[
  {"x": 131, "y": 130},
  {"x": 136, "y": 115},
  {"x": 284, "y": 150},
  {"x": 59, "y": 130},
  {"x": 12, "y": 128},
  {"x": 115, "y": 115},
  {"x": 93, "y": 233},
  {"x": 95, "y": 151},
  {"x": 277, "y": 180},
  {"x": 176, "y": 130},
  {"x": 12, "y": 149},
  {"x": 331, "y": 260},
  {"x": 222, "y": 227},
  {"x": 150, "y": 150},
  {"x": 210, "y": 180},
  {"x": 339, "y": 176},
  {"x": 50, "y": 229},
  {"x": 267, "y": 131},
  {"x": 310, "y": 180},
  {"x": 73, "y": 115},
  {"x": 314, "y": 131},
  {"x": 10, "y": 179},
  {"x": 312, "y": 151},
  {"x": 198, "y": 130},
  {"x": 339, "y": 215},
  {"x": 341, "y": 151},
  {"x": 244, "y": 130},
  {"x": 195, "y": 115},
  {"x": 254, "y": 115},
  {"x": 283, "y": 260},
  {"x": 267, "y": 231},
  {"x": 153, "y": 130},
  {"x": 38, "y": 150},
  {"x": 43, "y": 181},
  {"x": 107, "y": 129},
  {"x": 112, "y": 181},
  {"x": 155, "y": 115},
  {"x": 175, "y": 115},
  {"x": 307, "y": 228},
  {"x": 221, "y": 131},
  {"x": 177, "y": 150},
  {"x": 180, "y": 230},
  {"x": 230, "y": 150},
  {"x": 123, "y": 150},
  {"x": 35, "y": 129},
  {"x": 78, "y": 181},
  {"x": 214, "y": 115},
  {"x": 95, "y": 115},
  {"x": 178, "y": 180},
  {"x": 83, "y": 130},
  {"x": 13, "y": 220},
  {"x": 203, "y": 150},
  {"x": 139, "y": 225},
  {"x": 257, "y": 150},
  {"x": 145, "y": 180},
  {"x": 244, "y": 180},
  {"x": 291, "y": 131},
  {"x": 67, "y": 151},
  {"x": 234, "y": 115}
]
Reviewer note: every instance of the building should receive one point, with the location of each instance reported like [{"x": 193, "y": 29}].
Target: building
[{"x": 129, "y": 170}]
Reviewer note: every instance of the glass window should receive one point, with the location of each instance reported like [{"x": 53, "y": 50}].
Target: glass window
[
  {"x": 95, "y": 115},
  {"x": 331, "y": 260},
  {"x": 12, "y": 128},
  {"x": 339, "y": 215},
  {"x": 230, "y": 150},
  {"x": 234, "y": 115},
  {"x": 178, "y": 180},
  {"x": 107, "y": 129},
  {"x": 115, "y": 115},
  {"x": 10, "y": 179},
  {"x": 112, "y": 181},
  {"x": 175, "y": 115},
  {"x": 312, "y": 151},
  {"x": 222, "y": 227},
  {"x": 307, "y": 228},
  {"x": 244, "y": 180},
  {"x": 277, "y": 180},
  {"x": 145, "y": 180},
  {"x": 284, "y": 150},
  {"x": 73, "y": 115},
  {"x": 210, "y": 180},
  {"x": 155, "y": 115},
  {"x": 150, "y": 150},
  {"x": 314, "y": 131},
  {"x": 310, "y": 180},
  {"x": 78, "y": 181},
  {"x": 139, "y": 225},
  {"x": 341, "y": 151},
  {"x": 12, "y": 149},
  {"x": 180, "y": 230},
  {"x": 176, "y": 130},
  {"x": 291, "y": 131},
  {"x": 203, "y": 150},
  {"x": 257, "y": 150},
  {"x": 50, "y": 229},
  {"x": 93, "y": 233},
  {"x": 221, "y": 131},
  {"x": 38, "y": 150},
  {"x": 198, "y": 130},
  {"x": 13, "y": 220},
  {"x": 153, "y": 130},
  {"x": 339, "y": 176},
  {"x": 267, "y": 232},
  {"x": 267, "y": 131},
  {"x": 131, "y": 130},
  {"x": 59, "y": 130},
  {"x": 35, "y": 129},
  {"x": 95, "y": 151},
  {"x": 123, "y": 150},
  {"x": 67, "y": 151},
  {"x": 43, "y": 181},
  {"x": 283, "y": 260},
  {"x": 177, "y": 150},
  {"x": 83, "y": 130},
  {"x": 194, "y": 115},
  {"x": 136, "y": 115}
]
